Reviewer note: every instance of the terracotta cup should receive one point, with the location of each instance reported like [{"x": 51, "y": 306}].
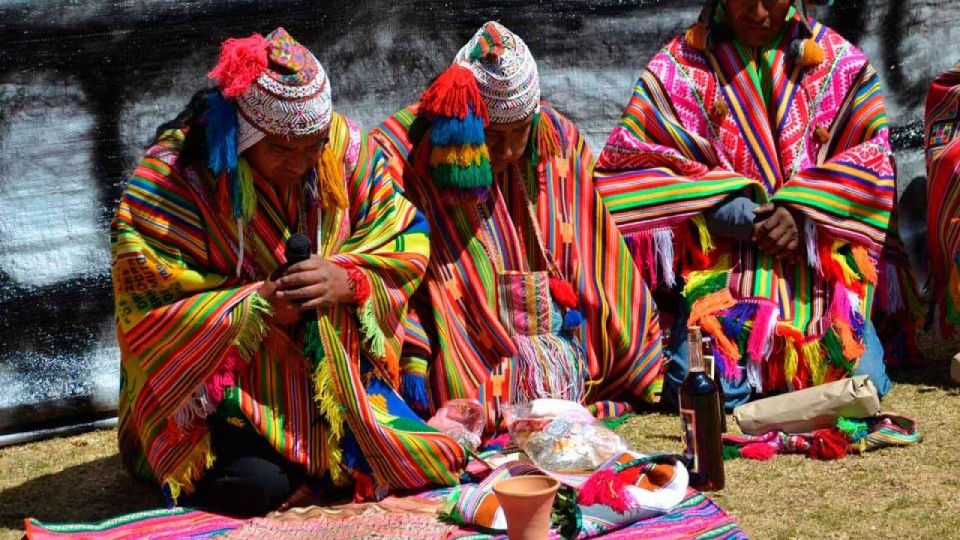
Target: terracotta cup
[{"x": 526, "y": 503}]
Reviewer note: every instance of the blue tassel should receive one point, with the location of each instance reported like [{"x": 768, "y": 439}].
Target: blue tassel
[
  {"x": 413, "y": 386},
  {"x": 456, "y": 132},
  {"x": 737, "y": 318},
  {"x": 572, "y": 319},
  {"x": 221, "y": 135},
  {"x": 858, "y": 325}
]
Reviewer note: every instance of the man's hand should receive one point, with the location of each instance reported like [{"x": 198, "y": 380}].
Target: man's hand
[
  {"x": 315, "y": 282},
  {"x": 776, "y": 232},
  {"x": 284, "y": 312}
]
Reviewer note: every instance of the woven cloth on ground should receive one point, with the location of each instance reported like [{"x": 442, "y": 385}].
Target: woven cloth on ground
[{"x": 696, "y": 516}]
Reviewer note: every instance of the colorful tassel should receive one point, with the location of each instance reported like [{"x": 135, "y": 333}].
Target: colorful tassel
[
  {"x": 730, "y": 452},
  {"x": 828, "y": 444},
  {"x": 330, "y": 180},
  {"x": 454, "y": 94},
  {"x": 489, "y": 43},
  {"x": 459, "y": 158},
  {"x": 562, "y": 292},
  {"x": 758, "y": 451},
  {"x": 221, "y": 135},
  {"x": 572, "y": 319},
  {"x": 242, "y": 61},
  {"x": 808, "y": 52},
  {"x": 760, "y": 343},
  {"x": 853, "y": 429},
  {"x": 608, "y": 488},
  {"x": 696, "y": 36}
]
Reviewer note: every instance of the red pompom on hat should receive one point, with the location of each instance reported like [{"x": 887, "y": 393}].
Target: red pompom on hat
[
  {"x": 454, "y": 94},
  {"x": 241, "y": 61}
]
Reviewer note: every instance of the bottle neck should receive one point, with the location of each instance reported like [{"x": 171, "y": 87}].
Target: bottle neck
[{"x": 695, "y": 342}]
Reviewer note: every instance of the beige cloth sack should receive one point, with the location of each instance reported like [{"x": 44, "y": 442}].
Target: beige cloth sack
[{"x": 810, "y": 409}]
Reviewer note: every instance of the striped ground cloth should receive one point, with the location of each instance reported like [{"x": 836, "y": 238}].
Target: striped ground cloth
[{"x": 697, "y": 517}]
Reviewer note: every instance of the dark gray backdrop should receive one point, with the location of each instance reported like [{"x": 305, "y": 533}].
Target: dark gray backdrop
[{"x": 83, "y": 84}]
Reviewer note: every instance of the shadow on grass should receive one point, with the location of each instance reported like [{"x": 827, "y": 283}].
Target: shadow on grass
[
  {"x": 935, "y": 371},
  {"x": 91, "y": 491}
]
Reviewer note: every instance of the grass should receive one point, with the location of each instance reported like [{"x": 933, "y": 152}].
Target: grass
[{"x": 891, "y": 493}]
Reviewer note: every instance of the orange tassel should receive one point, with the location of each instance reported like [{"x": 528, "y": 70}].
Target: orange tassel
[
  {"x": 696, "y": 36},
  {"x": 811, "y": 53},
  {"x": 868, "y": 269},
  {"x": 548, "y": 140},
  {"x": 711, "y": 325},
  {"x": 711, "y": 304}
]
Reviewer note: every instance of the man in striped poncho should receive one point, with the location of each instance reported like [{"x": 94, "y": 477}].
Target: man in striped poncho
[
  {"x": 751, "y": 173},
  {"x": 243, "y": 376},
  {"x": 530, "y": 291}
]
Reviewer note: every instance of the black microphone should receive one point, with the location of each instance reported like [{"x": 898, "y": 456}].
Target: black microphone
[{"x": 297, "y": 249}]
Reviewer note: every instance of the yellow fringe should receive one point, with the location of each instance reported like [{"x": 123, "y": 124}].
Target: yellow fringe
[
  {"x": 850, "y": 276},
  {"x": 815, "y": 362},
  {"x": 253, "y": 327},
  {"x": 200, "y": 460},
  {"x": 330, "y": 181},
  {"x": 866, "y": 265},
  {"x": 706, "y": 241},
  {"x": 326, "y": 398},
  {"x": 464, "y": 156},
  {"x": 791, "y": 360}
]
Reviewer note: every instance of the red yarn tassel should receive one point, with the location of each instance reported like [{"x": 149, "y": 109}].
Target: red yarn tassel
[
  {"x": 241, "y": 61},
  {"x": 828, "y": 444},
  {"x": 563, "y": 293},
  {"x": 607, "y": 488},
  {"x": 454, "y": 94},
  {"x": 758, "y": 451}
]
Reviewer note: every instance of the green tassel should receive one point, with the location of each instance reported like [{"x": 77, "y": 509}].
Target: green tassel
[
  {"x": 251, "y": 334},
  {"x": 614, "y": 423},
  {"x": 455, "y": 176},
  {"x": 852, "y": 428},
  {"x": 700, "y": 284},
  {"x": 248, "y": 195},
  {"x": 833, "y": 348},
  {"x": 730, "y": 452}
]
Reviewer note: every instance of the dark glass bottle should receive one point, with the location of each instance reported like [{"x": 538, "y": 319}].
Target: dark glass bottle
[
  {"x": 700, "y": 418},
  {"x": 714, "y": 372}
]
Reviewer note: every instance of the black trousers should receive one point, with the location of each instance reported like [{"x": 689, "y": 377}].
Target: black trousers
[{"x": 249, "y": 478}]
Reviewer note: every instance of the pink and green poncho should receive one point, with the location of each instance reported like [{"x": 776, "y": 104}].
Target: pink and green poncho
[{"x": 704, "y": 124}]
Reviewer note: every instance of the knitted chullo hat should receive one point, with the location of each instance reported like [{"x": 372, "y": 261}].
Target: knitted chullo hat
[
  {"x": 494, "y": 78},
  {"x": 804, "y": 49},
  {"x": 506, "y": 73}
]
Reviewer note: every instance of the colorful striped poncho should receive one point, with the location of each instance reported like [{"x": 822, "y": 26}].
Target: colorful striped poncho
[
  {"x": 942, "y": 141},
  {"x": 703, "y": 126},
  {"x": 194, "y": 337},
  {"x": 457, "y": 327}
]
